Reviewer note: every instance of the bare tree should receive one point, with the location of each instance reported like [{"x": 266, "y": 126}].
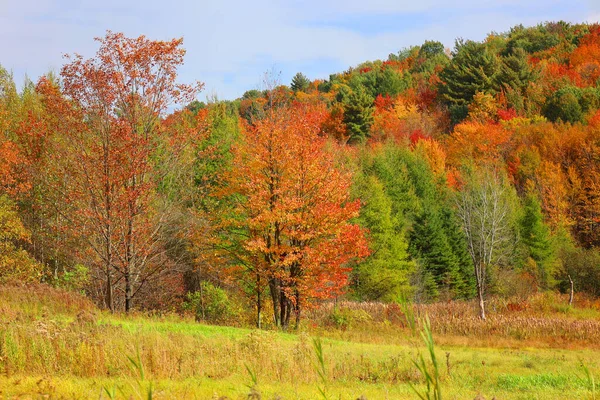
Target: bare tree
[{"x": 485, "y": 212}]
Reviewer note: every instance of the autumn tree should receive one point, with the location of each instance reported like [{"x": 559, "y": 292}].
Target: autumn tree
[
  {"x": 109, "y": 114},
  {"x": 291, "y": 211}
]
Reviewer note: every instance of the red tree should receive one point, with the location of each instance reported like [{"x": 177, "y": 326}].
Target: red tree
[{"x": 109, "y": 115}]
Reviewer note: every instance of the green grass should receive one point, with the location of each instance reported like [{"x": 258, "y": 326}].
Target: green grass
[{"x": 48, "y": 351}]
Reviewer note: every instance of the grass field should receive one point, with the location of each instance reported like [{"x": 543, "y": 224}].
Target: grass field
[{"x": 54, "y": 344}]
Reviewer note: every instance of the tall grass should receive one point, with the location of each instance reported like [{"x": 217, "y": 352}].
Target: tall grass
[
  {"x": 433, "y": 390},
  {"x": 320, "y": 367},
  {"x": 590, "y": 379},
  {"x": 45, "y": 335},
  {"x": 545, "y": 318}
]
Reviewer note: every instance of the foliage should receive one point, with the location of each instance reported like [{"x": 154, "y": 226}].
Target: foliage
[
  {"x": 292, "y": 202},
  {"x": 211, "y": 304},
  {"x": 385, "y": 274},
  {"x": 358, "y": 113},
  {"x": 107, "y": 169},
  {"x": 15, "y": 263},
  {"x": 98, "y": 169},
  {"x": 570, "y": 104},
  {"x": 538, "y": 242},
  {"x": 300, "y": 83},
  {"x": 76, "y": 279},
  {"x": 473, "y": 69}
]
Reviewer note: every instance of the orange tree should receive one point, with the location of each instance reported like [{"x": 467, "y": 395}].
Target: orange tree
[{"x": 291, "y": 211}]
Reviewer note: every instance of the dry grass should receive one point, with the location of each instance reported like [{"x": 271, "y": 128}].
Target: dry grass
[
  {"x": 56, "y": 344},
  {"x": 544, "y": 319}
]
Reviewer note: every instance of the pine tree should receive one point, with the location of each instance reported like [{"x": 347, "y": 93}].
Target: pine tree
[
  {"x": 515, "y": 72},
  {"x": 465, "y": 283},
  {"x": 358, "y": 113},
  {"x": 537, "y": 240},
  {"x": 473, "y": 69},
  {"x": 384, "y": 275},
  {"x": 429, "y": 245},
  {"x": 300, "y": 82}
]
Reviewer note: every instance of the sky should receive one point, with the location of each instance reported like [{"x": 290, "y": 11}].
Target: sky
[{"x": 231, "y": 44}]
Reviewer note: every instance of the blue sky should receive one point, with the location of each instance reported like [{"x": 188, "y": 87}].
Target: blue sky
[{"x": 230, "y": 44}]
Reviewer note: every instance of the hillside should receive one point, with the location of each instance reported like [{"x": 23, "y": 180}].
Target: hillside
[{"x": 439, "y": 195}]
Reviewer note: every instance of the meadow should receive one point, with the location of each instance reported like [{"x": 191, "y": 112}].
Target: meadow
[{"x": 56, "y": 344}]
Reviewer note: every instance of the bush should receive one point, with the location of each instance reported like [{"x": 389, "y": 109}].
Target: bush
[
  {"x": 345, "y": 318},
  {"x": 583, "y": 266},
  {"x": 16, "y": 265},
  {"x": 210, "y": 303},
  {"x": 75, "y": 279}
]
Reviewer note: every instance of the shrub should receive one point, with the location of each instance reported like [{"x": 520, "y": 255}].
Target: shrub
[
  {"x": 75, "y": 279},
  {"x": 16, "y": 265},
  {"x": 210, "y": 303},
  {"x": 345, "y": 318}
]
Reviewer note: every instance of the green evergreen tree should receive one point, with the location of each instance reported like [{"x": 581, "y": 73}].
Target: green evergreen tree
[
  {"x": 385, "y": 274},
  {"x": 358, "y": 113},
  {"x": 429, "y": 245},
  {"x": 391, "y": 83},
  {"x": 472, "y": 69},
  {"x": 300, "y": 82},
  {"x": 515, "y": 72},
  {"x": 435, "y": 238},
  {"x": 423, "y": 215},
  {"x": 537, "y": 240},
  {"x": 465, "y": 283}
]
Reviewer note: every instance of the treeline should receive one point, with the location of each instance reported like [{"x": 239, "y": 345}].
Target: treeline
[{"x": 432, "y": 175}]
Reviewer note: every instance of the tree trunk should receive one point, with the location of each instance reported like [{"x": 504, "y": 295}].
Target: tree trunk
[
  {"x": 297, "y": 309},
  {"x": 572, "y": 293},
  {"x": 128, "y": 291},
  {"x": 481, "y": 302},
  {"x": 285, "y": 306},
  {"x": 109, "y": 291},
  {"x": 258, "y": 303},
  {"x": 275, "y": 297}
]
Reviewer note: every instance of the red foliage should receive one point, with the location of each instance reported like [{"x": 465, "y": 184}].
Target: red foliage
[
  {"x": 384, "y": 102},
  {"x": 507, "y": 115},
  {"x": 416, "y": 136},
  {"x": 111, "y": 107},
  {"x": 296, "y": 208},
  {"x": 594, "y": 120},
  {"x": 397, "y": 65}
]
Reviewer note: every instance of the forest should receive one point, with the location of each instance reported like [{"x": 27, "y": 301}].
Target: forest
[
  {"x": 430, "y": 176},
  {"x": 308, "y": 238}
]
